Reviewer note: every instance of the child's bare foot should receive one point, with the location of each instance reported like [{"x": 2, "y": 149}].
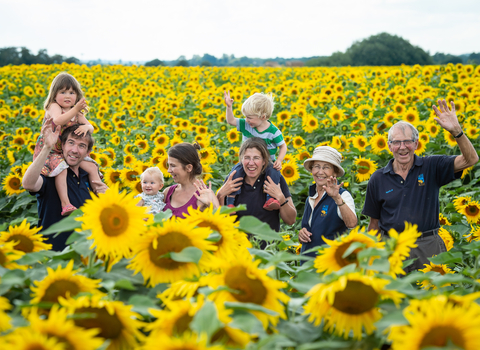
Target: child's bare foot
[
  {"x": 68, "y": 209},
  {"x": 272, "y": 204}
]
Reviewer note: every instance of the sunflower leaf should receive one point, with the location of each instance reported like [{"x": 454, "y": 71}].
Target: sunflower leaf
[
  {"x": 354, "y": 246},
  {"x": 249, "y": 307},
  {"x": 32, "y": 258},
  {"x": 254, "y": 226},
  {"x": 189, "y": 254},
  {"x": 305, "y": 281},
  {"x": 447, "y": 258},
  {"x": 142, "y": 304},
  {"x": 206, "y": 320},
  {"x": 64, "y": 225}
]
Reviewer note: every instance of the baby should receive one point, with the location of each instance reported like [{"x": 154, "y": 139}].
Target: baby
[{"x": 152, "y": 182}]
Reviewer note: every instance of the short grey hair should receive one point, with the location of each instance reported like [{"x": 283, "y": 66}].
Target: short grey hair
[{"x": 402, "y": 125}]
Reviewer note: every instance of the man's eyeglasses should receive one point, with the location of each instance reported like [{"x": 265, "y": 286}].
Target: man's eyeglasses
[{"x": 407, "y": 143}]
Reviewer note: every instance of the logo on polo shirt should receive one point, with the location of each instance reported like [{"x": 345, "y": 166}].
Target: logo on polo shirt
[
  {"x": 324, "y": 210},
  {"x": 421, "y": 180}
]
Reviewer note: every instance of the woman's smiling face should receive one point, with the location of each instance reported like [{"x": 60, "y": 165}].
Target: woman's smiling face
[
  {"x": 253, "y": 163},
  {"x": 321, "y": 171}
]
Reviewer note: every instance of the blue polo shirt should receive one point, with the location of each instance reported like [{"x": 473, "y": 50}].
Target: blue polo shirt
[
  {"x": 50, "y": 207},
  {"x": 393, "y": 200}
]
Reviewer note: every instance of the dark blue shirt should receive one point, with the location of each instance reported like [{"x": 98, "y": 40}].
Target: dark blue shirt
[
  {"x": 254, "y": 198},
  {"x": 325, "y": 220},
  {"x": 393, "y": 200},
  {"x": 50, "y": 207}
]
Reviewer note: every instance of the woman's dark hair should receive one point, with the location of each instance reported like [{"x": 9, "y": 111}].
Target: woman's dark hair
[
  {"x": 260, "y": 145},
  {"x": 186, "y": 154}
]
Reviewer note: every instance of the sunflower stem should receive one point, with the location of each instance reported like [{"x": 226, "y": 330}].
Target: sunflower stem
[{"x": 91, "y": 259}]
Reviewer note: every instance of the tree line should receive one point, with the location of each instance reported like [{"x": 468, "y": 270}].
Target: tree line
[{"x": 22, "y": 55}]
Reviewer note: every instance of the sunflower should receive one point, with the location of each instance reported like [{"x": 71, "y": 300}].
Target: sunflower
[
  {"x": 302, "y": 155},
  {"x": 8, "y": 256},
  {"x": 474, "y": 234},
  {"x": 152, "y": 252},
  {"x": 336, "y": 115},
  {"x": 437, "y": 322},
  {"x": 246, "y": 283},
  {"x": 447, "y": 238},
  {"x": 63, "y": 282},
  {"x": 115, "y": 222},
  {"x": 63, "y": 329},
  {"x": 349, "y": 304},
  {"x": 378, "y": 143},
  {"x": 4, "y": 318},
  {"x": 25, "y": 338},
  {"x": 460, "y": 202},
  {"x": 421, "y": 147},
  {"x": 113, "y": 177},
  {"x": 175, "y": 318},
  {"x": 27, "y": 239},
  {"x": 432, "y": 128},
  {"x": 12, "y": 184},
  {"x": 182, "y": 289},
  {"x": 290, "y": 172},
  {"x": 400, "y": 245},
  {"x": 389, "y": 118},
  {"x": 360, "y": 142},
  {"x": 187, "y": 341},
  {"x": 330, "y": 258},
  {"x": 115, "y": 321},
  {"x": 399, "y": 108},
  {"x": 131, "y": 175},
  {"x": 207, "y": 155},
  {"x": 443, "y": 220},
  {"x": 441, "y": 269},
  {"x": 471, "y": 211},
  {"x": 224, "y": 224},
  {"x": 309, "y": 124},
  {"x": 412, "y": 117},
  {"x": 298, "y": 142},
  {"x": 365, "y": 168},
  {"x": 451, "y": 141},
  {"x": 233, "y": 136}
]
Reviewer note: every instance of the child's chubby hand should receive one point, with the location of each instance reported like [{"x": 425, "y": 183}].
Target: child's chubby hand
[
  {"x": 81, "y": 130},
  {"x": 228, "y": 100},
  {"x": 277, "y": 165}
]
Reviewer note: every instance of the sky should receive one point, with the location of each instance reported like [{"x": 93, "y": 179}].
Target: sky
[{"x": 142, "y": 30}]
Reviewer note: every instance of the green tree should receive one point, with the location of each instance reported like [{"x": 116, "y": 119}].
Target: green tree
[
  {"x": 441, "y": 58},
  {"x": 386, "y": 50},
  {"x": 154, "y": 63}
]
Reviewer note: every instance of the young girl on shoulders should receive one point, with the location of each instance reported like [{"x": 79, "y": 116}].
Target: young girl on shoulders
[{"x": 65, "y": 106}]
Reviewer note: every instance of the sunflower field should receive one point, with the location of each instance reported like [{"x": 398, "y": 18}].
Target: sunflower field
[{"x": 129, "y": 280}]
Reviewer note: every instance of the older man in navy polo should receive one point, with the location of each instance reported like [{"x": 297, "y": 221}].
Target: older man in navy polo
[{"x": 407, "y": 189}]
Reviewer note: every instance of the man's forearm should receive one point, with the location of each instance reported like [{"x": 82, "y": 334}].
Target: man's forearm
[{"x": 31, "y": 178}]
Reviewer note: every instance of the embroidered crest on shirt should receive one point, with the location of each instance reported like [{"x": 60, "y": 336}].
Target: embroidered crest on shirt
[
  {"x": 324, "y": 210},
  {"x": 421, "y": 180}
]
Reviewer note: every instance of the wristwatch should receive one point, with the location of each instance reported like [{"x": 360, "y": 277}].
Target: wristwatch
[{"x": 339, "y": 205}]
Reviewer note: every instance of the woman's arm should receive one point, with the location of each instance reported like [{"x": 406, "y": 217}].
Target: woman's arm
[{"x": 288, "y": 213}]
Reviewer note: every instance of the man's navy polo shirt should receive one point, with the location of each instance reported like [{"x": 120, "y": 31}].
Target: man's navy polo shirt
[
  {"x": 50, "y": 207},
  {"x": 254, "y": 198},
  {"x": 392, "y": 200}
]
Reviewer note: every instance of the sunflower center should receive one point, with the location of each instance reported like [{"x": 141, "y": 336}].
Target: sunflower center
[
  {"x": 356, "y": 299},
  {"x": 58, "y": 289},
  {"x": 441, "y": 335},
  {"x": 24, "y": 244},
  {"x": 288, "y": 172},
  {"x": 439, "y": 269},
  {"x": 171, "y": 242},
  {"x": 251, "y": 290},
  {"x": 114, "y": 220},
  {"x": 472, "y": 210},
  {"x": 350, "y": 259},
  {"x": 109, "y": 325},
  {"x": 363, "y": 167},
  {"x": 14, "y": 183}
]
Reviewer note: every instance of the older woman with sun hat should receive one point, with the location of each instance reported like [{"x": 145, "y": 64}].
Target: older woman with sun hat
[{"x": 329, "y": 208}]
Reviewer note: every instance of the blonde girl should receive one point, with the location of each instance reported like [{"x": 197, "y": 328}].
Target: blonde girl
[{"x": 65, "y": 105}]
